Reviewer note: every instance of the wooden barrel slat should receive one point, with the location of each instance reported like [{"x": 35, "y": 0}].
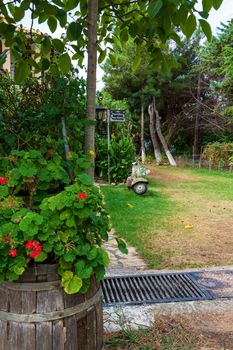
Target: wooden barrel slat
[
  {"x": 56, "y": 300},
  {"x": 46, "y": 331},
  {"x": 3, "y": 331},
  {"x": 43, "y": 302},
  {"x": 28, "y": 303},
  {"x": 71, "y": 300},
  {"x": 44, "y": 340},
  {"x": 15, "y": 301},
  {"x": 91, "y": 326},
  {"x": 71, "y": 333},
  {"x": 27, "y": 336},
  {"x": 13, "y": 341},
  {"x": 71, "y": 322},
  {"x": 82, "y": 333},
  {"x": 59, "y": 336},
  {"x": 91, "y": 291},
  {"x": 22, "y": 336},
  {"x": 3, "y": 299},
  {"x": 99, "y": 325}
]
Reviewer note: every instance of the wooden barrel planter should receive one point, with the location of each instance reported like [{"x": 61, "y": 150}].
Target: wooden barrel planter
[{"x": 36, "y": 314}]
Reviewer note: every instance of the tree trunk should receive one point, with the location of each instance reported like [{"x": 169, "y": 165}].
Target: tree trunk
[
  {"x": 160, "y": 135},
  {"x": 142, "y": 136},
  {"x": 153, "y": 135},
  {"x": 197, "y": 120},
  {"x": 91, "y": 79}
]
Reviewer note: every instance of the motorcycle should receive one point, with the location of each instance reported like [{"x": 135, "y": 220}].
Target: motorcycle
[{"x": 137, "y": 181}]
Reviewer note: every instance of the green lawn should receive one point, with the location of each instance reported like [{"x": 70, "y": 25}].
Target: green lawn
[
  {"x": 132, "y": 223},
  {"x": 155, "y": 222}
]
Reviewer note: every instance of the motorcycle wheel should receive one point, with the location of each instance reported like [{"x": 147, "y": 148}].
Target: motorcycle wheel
[{"x": 140, "y": 188}]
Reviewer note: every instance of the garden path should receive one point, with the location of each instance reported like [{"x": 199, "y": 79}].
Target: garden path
[{"x": 120, "y": 261}]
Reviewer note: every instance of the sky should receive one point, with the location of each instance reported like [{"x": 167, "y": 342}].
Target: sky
[{"x": 223, "y": 14}]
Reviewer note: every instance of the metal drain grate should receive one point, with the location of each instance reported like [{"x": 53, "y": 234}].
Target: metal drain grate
[{"x": 151, "y": 288}]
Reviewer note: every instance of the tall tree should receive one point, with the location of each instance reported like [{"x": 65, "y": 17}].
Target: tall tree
[
  {"x": 153, "y": 135},
  {"x": 144, "y": 21},
  {"x": 139, "y": 84},
  {"x": 143, "y": 150},
  {"x": 91, "y": 79},
  {"x": 160, "y": 135},
  {"x": 216, "y": 61},
  {"x": 197, "y": 119}
]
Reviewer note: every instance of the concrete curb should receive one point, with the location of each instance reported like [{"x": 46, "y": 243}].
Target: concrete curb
[
  {"x": 136, "y": 271},
  {"x": 115, "y": 318}
]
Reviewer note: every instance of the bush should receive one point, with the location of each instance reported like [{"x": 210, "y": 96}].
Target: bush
[
  {"x": 218, "y": 153},
  {"x": 121, "y": 156},
  {"x": 30, "y": 115}
]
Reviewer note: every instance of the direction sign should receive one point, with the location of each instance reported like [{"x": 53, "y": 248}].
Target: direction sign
[{"x": 117, "y": 115}]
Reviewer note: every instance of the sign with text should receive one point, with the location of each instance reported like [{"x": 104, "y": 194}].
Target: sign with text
[{"x": 117, "y": 115}]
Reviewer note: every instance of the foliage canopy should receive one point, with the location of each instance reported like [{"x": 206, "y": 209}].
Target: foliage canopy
[{"x": 151, "y": 21}]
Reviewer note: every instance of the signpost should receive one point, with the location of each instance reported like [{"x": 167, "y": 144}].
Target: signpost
[
  {"x": 113, "y": 115},
  {"x": 108, "y": 136},
  {"x": 117, "y": 115}
]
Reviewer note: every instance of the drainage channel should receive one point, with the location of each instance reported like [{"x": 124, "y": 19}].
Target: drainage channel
[{"x": 152, "y": 288}]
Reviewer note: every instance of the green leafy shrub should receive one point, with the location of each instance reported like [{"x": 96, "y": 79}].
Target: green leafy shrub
[
  {"x": 30, "y": 114},
  {"x": 231, "y": 161},
  {"x": 218, "y": 153},
  {"x": 121, "y": 156},
  {"x": 34, "y": 173}
]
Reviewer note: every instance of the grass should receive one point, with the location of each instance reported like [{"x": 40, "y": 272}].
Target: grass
[
  {"x": 216, "y": 185},
  {"x": 131, "y": 215},
  {"x": 155, "y": 223},
  {"x": 161, "y": 336}
]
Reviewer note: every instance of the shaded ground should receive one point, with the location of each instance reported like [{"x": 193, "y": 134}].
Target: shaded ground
[{"x": 216, "y": 329}]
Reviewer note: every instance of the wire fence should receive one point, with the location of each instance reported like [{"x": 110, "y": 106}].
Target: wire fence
[{"x": 197, "y": 162}]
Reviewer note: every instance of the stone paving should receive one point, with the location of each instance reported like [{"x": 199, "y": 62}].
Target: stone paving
[{"x": 122, "y": 262}]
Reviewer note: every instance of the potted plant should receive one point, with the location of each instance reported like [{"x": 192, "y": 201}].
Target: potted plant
[
  {"x": 52, "y": 220},
  {"x": 44, "y": 218},
  {"x": 48, "y": 221}
]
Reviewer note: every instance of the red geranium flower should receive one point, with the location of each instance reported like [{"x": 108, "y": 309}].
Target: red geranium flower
[
  {"x": 13, "y": 253},
  {"x": 34, "y": 253},
  {"x": 82, "y": 195},
  {"x": 33, "y": 245},
  {"x": 3, "y": 180},
  {"x": 35, "y": 248},
  {"x": 29, "y": 245}
]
